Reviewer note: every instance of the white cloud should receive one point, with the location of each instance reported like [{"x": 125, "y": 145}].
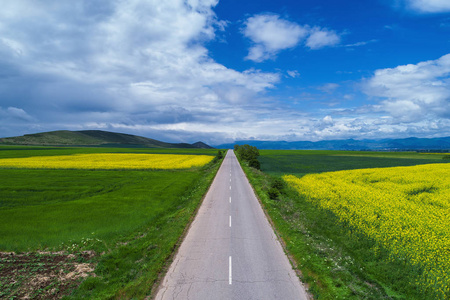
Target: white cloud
[
  {"x": 8, "y": 46},
  {"x": 325, "y": 124},
  {"x": 19, "y": 113},
  {"x": 429, "y": 6},
  {"x": 142, "y": 67},
  {"x": 359, "y": 44},
  {"x": 293, "y": 73},
  {"x": 404, "y": 110},
  {"x": 329, "y": 87},
  {"x": 271, "y": 35},
  {"x": 14, "y": 119},
  {"x": 12, "y": 114},
  {"x": 414, "y": 92},
  {"x": 258, "y": 53},
  {"x": 74, "y": 63},
  {"x": 320, "y": 38}
]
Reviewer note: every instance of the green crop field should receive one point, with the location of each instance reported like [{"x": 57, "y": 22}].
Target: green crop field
[
  {"x": 129, "y": 221},
  {"x": 336, "y": 260},
  {"x": 300, "y": 162}
]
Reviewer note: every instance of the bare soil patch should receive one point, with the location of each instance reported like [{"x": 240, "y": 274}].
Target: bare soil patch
[{"x": 42, "y": 275}]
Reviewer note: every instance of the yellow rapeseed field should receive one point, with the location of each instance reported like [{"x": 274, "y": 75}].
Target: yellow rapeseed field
[
  {"x": 405, "y": 209},
  {"x": 109, "y": 161}
]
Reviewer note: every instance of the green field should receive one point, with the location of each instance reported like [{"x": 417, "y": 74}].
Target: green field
[
  {"x": 335, "y": 261},
  {"x": 53, "y": 207},
  {"x": 301, "y": 162},
  {"x": 131, "y": 219}
]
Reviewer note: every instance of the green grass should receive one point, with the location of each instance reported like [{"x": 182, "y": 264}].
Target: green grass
[
  {"x": 133, "y": 220},
  {"x": 52, "y": 207},
  {"x": 334, "y": 263}
]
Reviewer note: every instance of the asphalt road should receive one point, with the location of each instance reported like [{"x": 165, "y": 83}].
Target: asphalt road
[{"x": 231, "y": 251}]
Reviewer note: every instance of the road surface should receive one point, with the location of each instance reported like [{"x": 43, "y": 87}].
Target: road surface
[{"x": 230, "y": 250}]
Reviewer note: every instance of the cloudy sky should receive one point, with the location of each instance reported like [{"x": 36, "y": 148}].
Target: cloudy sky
[{"x": 218, "y": 71}]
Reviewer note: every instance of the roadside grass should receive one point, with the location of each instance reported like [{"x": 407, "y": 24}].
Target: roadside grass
[
  {"x": 131, "y": 220},
  {"x": 333, "y": 263}
]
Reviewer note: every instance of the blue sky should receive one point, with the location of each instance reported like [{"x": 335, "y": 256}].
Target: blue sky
[{"x": 220, "y": 71}]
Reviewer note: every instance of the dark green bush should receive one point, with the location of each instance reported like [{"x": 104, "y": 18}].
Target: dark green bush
[
  {"x": 277, "y": 183},
  {"x": 246, "y": 152},
  {"x": 273, "y": 193},
  {"x": 218, "y": 156},
  {"x": 254, "y": 163},
  {"x": 249, "y": 154}
]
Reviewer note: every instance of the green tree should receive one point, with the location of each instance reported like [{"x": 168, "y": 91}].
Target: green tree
[
  {"x": 218, "y": 156},
  {"x": 249, "y": 154}
]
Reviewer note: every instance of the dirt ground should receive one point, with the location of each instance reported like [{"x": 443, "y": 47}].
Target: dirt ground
[{"x": 42, "y": 275}]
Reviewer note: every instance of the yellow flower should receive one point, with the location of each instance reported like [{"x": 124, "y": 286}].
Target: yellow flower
[
  {"x": 109, "y": 161},
  {"x": 405, "y": 209}
]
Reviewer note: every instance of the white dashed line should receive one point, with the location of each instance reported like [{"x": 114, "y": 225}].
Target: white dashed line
[
  {"x": 230, "y": 279},
  {"x": 230, "y": 221},
  {"x": 230, "y": 199}
]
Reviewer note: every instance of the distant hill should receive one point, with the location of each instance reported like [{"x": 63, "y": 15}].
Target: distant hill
[
  {"x": 93, "y": 138},
  {"x": 202, "y": 145},
  {"x": 408, "y": 144}
]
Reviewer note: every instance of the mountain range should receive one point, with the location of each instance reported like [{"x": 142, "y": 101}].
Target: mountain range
[
  {"x": 407, "y": 144},
  {"x": 99, "y": 138},
  {"x": 93, "y": 138}
]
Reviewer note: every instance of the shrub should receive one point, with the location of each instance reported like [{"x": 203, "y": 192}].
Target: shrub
[
  {"x": 254, "y": 163},
  {"x": 218, "y": 156},
  {"x": 246, "y": 152},
  {"x": 278, "y": 184},
  {"x": 249, "y": 154},
  {"x": 273, "y": 193}
]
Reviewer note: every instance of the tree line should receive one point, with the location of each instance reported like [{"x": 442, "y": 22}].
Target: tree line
[{"x": 249, "y": 154}]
